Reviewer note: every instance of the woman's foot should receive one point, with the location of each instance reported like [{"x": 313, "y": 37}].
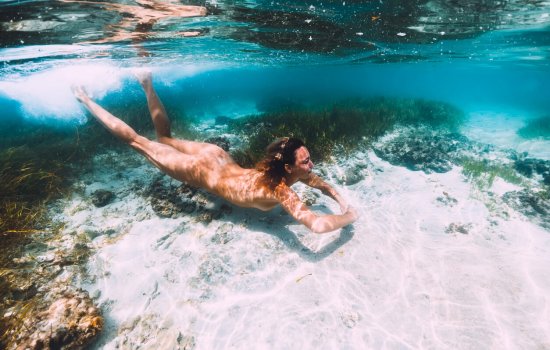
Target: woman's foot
[
  {"x": 80, "y": 94},
  {"x": 144, "y": 78}
]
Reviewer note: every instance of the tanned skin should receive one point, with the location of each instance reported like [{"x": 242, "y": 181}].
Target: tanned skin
[
  {"x": 208, "y": 166},
  {"x": 137, "y": 21}
]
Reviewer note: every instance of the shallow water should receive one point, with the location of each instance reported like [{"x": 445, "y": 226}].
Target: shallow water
[
  {"x": 437, "y": 260},
  {"x": 401, "y": 277}
]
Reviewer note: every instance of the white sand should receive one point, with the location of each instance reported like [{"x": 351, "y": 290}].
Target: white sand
[{"x": 396, "y": 279}]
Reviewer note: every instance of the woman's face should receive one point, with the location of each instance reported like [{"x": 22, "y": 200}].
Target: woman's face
[{"x": 303, "y": 165}]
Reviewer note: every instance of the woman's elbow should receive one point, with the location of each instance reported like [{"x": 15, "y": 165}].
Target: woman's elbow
[
  {"x": 329, "y": 224},
  {"x": 320, "y": 226}
]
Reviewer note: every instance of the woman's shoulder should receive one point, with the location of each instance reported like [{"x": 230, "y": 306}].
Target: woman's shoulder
[{"x": 283, "y": 192}]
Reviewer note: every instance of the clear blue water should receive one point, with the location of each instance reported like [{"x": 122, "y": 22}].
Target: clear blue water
[
  {"x": 490, "y": 59},
  {"x": 477, "y": 55}
]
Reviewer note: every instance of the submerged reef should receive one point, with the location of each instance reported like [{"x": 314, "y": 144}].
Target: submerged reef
[{"x": 539, "y": 127}]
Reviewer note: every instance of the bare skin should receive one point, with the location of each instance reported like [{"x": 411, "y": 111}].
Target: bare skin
[
  {"x": 138, "y": 20},
  {"x": 210, "y": 167}
]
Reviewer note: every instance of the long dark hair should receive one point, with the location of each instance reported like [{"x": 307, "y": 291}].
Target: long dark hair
[{"x": 280, "y": 152}]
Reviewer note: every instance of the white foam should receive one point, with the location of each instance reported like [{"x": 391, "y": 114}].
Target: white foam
[{"x": 48, "y": 93}]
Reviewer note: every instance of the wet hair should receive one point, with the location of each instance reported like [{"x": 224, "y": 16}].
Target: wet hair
[{"x": 279, "y": 153}]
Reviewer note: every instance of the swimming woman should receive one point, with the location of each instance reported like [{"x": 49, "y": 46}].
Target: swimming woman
[{"x": 208, "y": 166}]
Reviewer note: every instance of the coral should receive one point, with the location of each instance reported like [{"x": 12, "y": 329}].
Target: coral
[{"x": 67, "y": 320}]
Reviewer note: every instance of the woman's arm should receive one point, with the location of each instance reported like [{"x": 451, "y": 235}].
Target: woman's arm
[
  {"x": 318, "y": 183},
  {"x": 319, "y": 224}
]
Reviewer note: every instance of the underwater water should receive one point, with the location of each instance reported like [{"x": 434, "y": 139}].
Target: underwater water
[{"x": 432, "y": 118}]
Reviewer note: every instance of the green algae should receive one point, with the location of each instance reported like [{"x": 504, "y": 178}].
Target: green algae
[
  {"x": 483, "y": 173},
  {"x": 37, "y": 165},
  {"x": 539, "y": 127},
  {"x": 341, "y": 126}
]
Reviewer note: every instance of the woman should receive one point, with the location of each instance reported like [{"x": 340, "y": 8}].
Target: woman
[{"x": 208, "y": 166}]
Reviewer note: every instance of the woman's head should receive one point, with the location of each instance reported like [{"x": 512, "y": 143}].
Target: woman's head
[{"x": 286, "y": 158}]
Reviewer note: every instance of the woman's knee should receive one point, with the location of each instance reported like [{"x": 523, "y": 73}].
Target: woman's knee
[{"x": 140, "y": 144}]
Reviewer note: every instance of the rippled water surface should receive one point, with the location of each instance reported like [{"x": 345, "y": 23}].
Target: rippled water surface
[
  {"x": 277, "y": 32},
  {"x": 369, "y": 47}
]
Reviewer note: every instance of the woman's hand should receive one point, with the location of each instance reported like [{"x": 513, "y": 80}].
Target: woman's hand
[
  {"x": 344, "y": 206},
  {"x": 353, "y": 213}
]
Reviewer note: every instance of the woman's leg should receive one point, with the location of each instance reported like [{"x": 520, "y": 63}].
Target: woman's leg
[
  {"x": 161, "y": 121},
  {"x": 116, "y": 126},
  {"x": 168, "y": 159},
  {"x": 156, "y": 108}
]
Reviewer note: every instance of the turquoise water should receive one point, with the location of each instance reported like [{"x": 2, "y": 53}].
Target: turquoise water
[
  {"x": 452, "y": 245},
  {"x": 492, "y": 55}
]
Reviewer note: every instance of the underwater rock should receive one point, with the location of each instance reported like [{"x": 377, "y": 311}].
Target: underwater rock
[
  {"x": 19, "y": 289},
  {"x": 101, "y": 198},
  {"x": 186, "y": 342},
  {"x": 309, "y": 198},
  {"x": 187, "y": 190},
  {"x": 446, "y": 199},
  {"x": 170, "y": 202},
  {"x": 167, "y": 202},
  {"x": 68, "y": 320},
  {"x": 531, "y": 166},
  {"x": 351, "y": 175},
  {"x": 172, "y": 207},
  {"x": 421, "y": 150},
  {"x": 350, "y": 318},
  {"x": 219, "y": 141},
  {"x": 458, "y": 228},
  {"x": 535, "y": 206},
  {"x": 206, "y": 216}
]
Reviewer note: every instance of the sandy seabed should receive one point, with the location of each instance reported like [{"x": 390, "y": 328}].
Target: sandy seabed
[{"x": 433, "y": 262}]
